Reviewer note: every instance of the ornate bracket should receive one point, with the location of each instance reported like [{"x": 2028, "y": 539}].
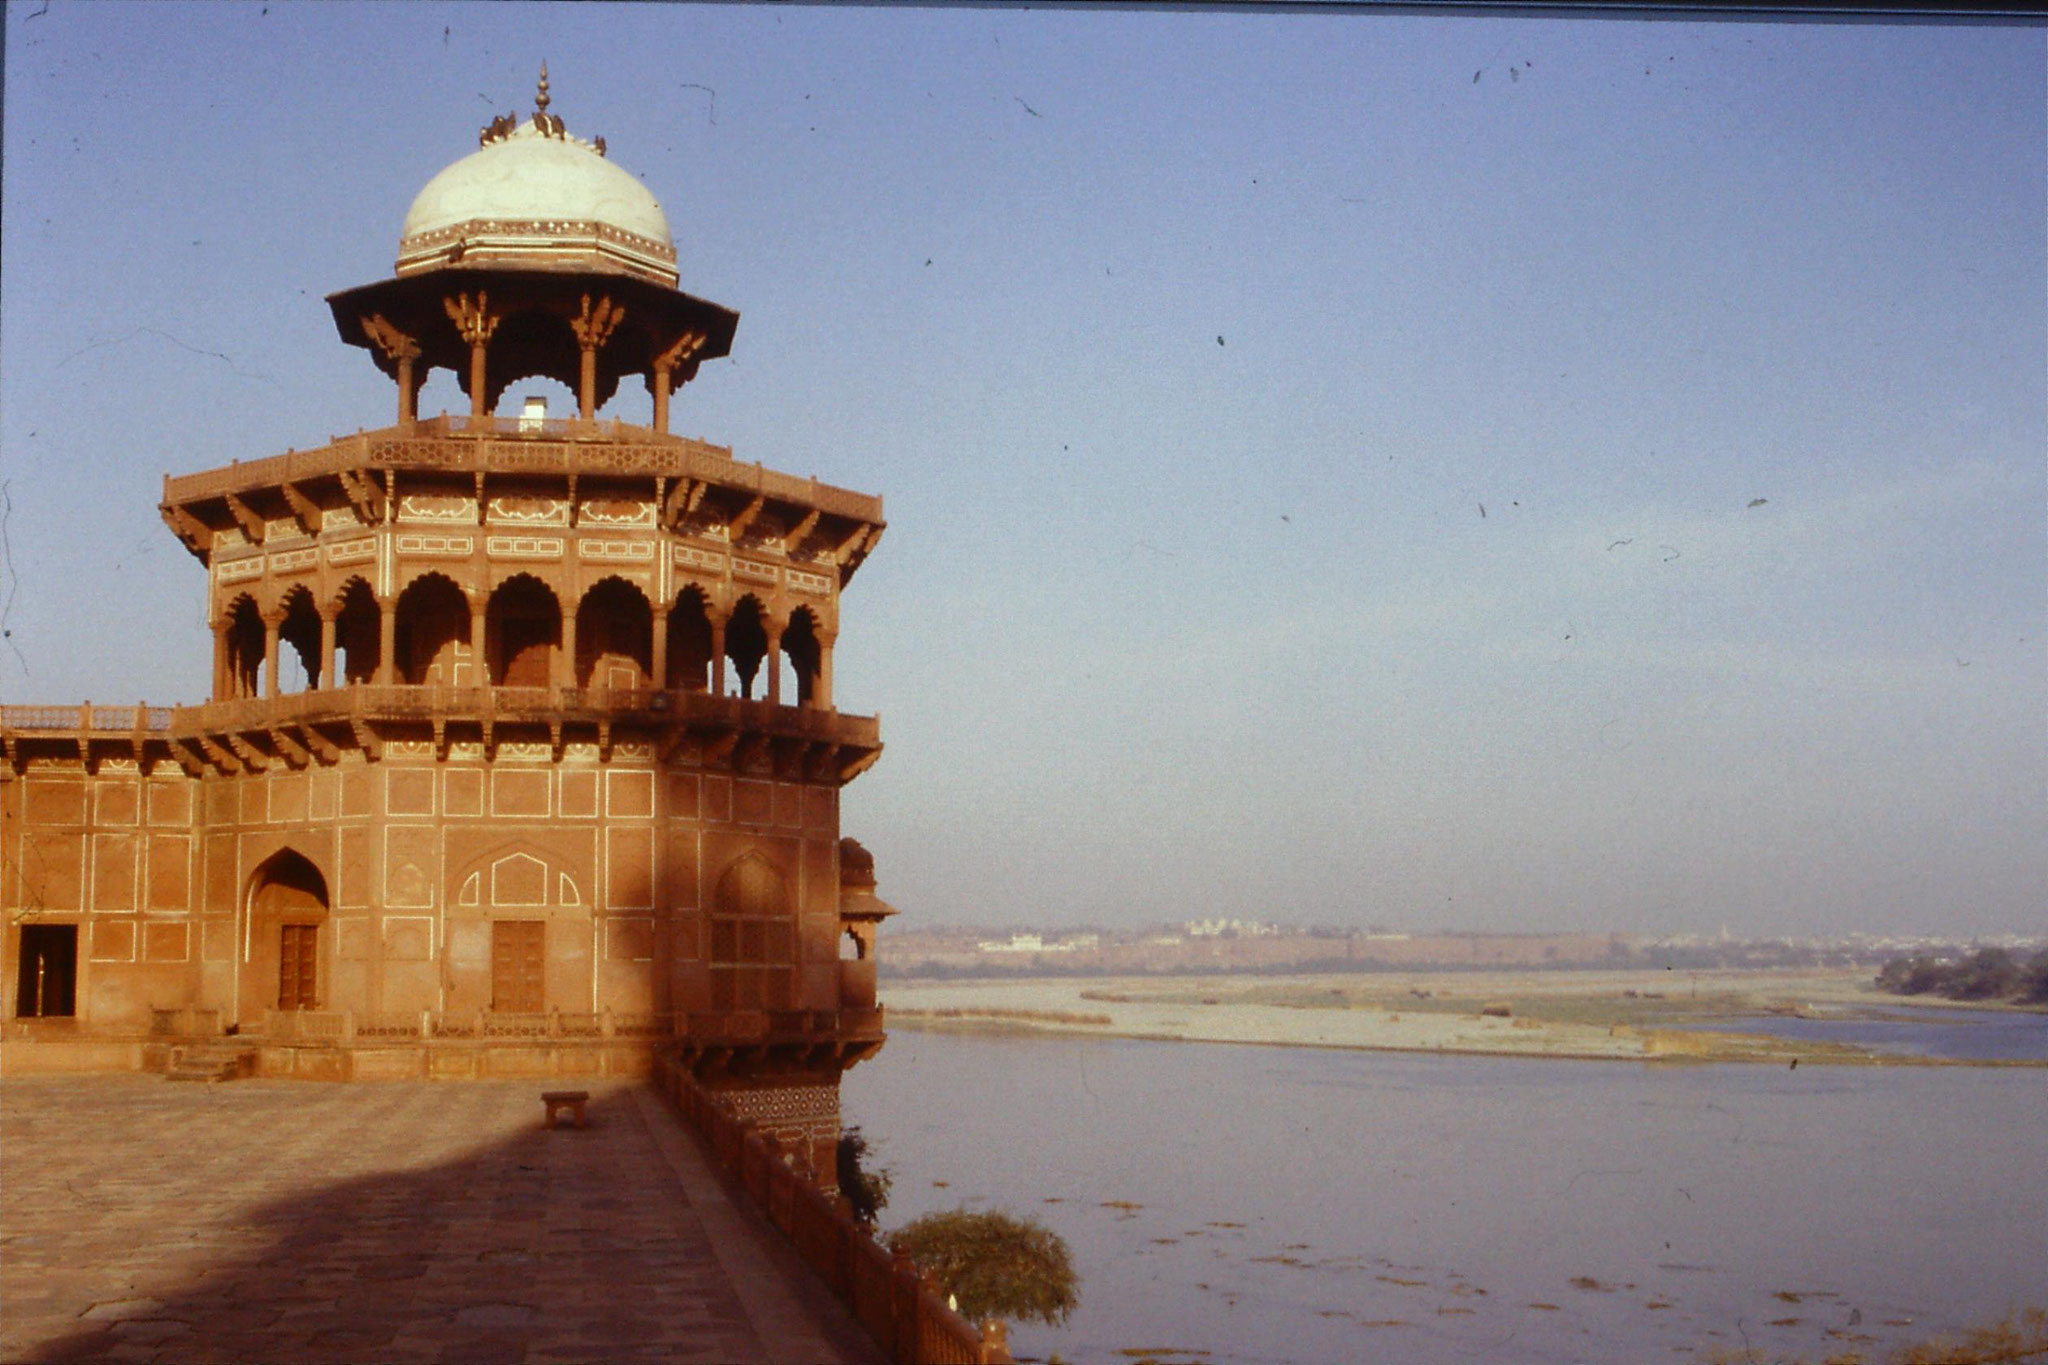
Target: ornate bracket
[
  {"x": 474, "y": 322},
  {"x": 252, "y": 525},
  {"x": 395, "y": 344},
  {"x": 196, "y": 534},
  {"x": 594, "y": 326},
  {"x": 304, "y": 510}
]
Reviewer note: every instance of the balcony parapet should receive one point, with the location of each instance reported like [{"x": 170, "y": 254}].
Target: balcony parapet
[
  {"x": 515, "y": 445},
  {"x": 302, "y": 727},
  {"x": 733, "y": 1032}
]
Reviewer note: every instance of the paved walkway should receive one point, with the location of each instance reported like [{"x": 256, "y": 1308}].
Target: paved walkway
[{"x": 146, "y": 1220}]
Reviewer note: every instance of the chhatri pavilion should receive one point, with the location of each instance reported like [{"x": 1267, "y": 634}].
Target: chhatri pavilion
[{"x": 521, "y": 755}]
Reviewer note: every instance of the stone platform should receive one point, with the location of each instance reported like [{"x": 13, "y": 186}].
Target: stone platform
[{"x": 410, "y": 1221}]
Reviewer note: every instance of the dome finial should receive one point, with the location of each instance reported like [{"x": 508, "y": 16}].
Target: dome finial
[{"x": 540, "y": 101}]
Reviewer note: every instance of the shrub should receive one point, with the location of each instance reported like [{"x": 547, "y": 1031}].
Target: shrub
[
  {"x": 994, "y": 1264},
  {"x": 866, "y": 1190}
]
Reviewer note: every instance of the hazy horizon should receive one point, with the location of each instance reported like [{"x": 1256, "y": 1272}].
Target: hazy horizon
[{"x": 1501, "y": 474}]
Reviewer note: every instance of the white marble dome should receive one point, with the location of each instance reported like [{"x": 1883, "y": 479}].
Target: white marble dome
[{"x": 533, "y": 197}]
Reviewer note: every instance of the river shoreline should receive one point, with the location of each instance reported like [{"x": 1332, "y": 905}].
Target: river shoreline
[{"x": 1552, "y": 1015}]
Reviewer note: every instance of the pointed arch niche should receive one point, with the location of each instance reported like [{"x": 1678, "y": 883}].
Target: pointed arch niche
[
  {"x": 285, "y": 942},
  {"x": 520, "y": 936}
]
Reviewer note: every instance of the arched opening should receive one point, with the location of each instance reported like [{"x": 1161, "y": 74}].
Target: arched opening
[
  {"x": 358, "y": 634},
  {"x": 689, "y": 641},
  {"x": 245, "y": 649},
  {"x": 433, "y": 632},
  {"x": 530, "y": 347},
  {"x": 614, "y": 637},
  {"x": 851, "y": 949},
  {"x": 522, "y": 632},
  {"x": 282, "y": 962},
  {"x": 746, "y": 642},
  {"x": 753, "y": 938},
  {"x": 298, "y": 638},
  {"x": 800, "y": 645}
]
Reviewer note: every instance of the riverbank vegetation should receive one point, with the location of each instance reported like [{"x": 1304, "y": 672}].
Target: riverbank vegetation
[
  {"x": 1988, "y": 974},
  {"x": 2017, "y": 1340},
  {"x": 994, "y": 1264}
]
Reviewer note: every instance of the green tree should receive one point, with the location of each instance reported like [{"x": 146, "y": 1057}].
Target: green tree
[
  {"x": 866, "y": 1189},
  {"x": 994, "y": 1264},
  {"x": 1987, "y": 975},
  {"x": 2034, "y": 980}
]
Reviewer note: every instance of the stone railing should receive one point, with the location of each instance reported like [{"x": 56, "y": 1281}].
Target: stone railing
[
  {"x": 119, "y": 720},
  {"x": 352, "y": 1027},
  {"x": 900, "y": 1309},
  {"x": 492, "y": 445},
  {"x": 400, "y": 701}
]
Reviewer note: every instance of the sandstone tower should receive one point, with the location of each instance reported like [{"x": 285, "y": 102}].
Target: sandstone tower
[{"x": 521, "y": 755}]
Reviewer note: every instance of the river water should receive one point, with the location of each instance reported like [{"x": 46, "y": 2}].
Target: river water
[
  {"x": 1306, "y": 1206},
  {"x": 1917, "y": 1030}
]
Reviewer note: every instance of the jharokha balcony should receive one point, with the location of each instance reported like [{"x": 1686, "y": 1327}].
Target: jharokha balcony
[{"x": 300, "y": 728}]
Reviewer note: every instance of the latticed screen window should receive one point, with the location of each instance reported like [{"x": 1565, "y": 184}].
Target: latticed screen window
[{"x": 753, "y": 939}]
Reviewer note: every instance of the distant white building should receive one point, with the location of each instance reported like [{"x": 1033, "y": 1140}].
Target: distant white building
[{"x": 1216, "y": 928}]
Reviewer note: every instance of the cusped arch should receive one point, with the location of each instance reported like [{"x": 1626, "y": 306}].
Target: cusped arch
[
  {"x": 614, "y": 635},
  {"x": 241, "y": 648},
  {"x": 299, "y": 630},
  {"x": 690, "y": 639},
  {"x": 522, "y": 632},
  {"x": 534, "y": 342},
  {"x": 358, "y": 631},
  {"x": 746, "y": 640},
  {"x": 804, "y": 646},
  {"x": 433, "y": 631}
]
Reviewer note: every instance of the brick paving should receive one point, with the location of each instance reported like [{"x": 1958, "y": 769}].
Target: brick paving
[{"x": 144, "y": 1220}]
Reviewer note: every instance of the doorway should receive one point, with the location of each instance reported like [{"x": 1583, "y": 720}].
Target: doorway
[
  {"x": 518, "y": 966},
  {"x": 298, "y": 966},
  {"x": 48, "y": 985},
  {"x": 280, "y": 949}
]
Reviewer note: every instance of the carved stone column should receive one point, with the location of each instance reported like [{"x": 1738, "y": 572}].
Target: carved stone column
[
  {"x": 773, "y": 659},
  {"x": 671, "y": 367},
  {"x": 717, "y": 656},
  {"x": 271, "y": 622},
  {"x": 475, "y": 323},
  {"x": 565, "y": 663},
  {"x": 326, "y": 678},
  {"x": 821, "y": 688},
  {"x": 593, "y": 327},
  {"x": 220, "y": 658},
  {"x": 480, "y": 665},
  {"x": 401, "y": 350},
  {"x": 660, "y": 650},
  {"x": 387, "y": 640}
]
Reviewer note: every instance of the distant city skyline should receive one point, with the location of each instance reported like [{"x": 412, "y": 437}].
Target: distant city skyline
[{"x": 1453, "y": 472}]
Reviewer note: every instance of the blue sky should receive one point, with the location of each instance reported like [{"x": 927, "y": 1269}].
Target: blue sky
[{"x": 1186, "y": 349}]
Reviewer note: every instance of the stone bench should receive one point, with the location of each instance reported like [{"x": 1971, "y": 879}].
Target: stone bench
[{"x": 570, "y": 1100}]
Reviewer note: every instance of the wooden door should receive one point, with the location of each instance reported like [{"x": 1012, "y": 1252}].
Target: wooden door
[
  {"x": 298, "y": 966},
  {"x": 518, "y": 966}
]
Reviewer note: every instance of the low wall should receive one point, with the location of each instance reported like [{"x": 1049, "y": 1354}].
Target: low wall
[
  {"x": 451, "y": 1062},
  {"x": 20, "y": 1057},
  {"x": 901, "y": 1310}
]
